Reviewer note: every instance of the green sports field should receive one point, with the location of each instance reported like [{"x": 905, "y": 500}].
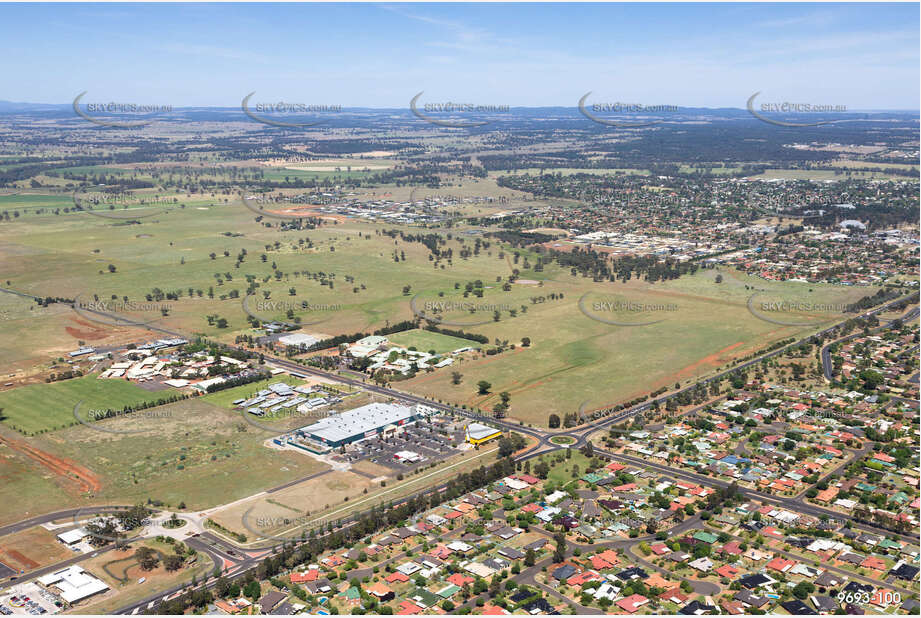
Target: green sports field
[
  {"x": 426, "y": 341},
  {"x": 46, "y": 407}
]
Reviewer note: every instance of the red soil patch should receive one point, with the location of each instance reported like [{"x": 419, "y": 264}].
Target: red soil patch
[
  {"x": 24, "y": 561},
  {"x": 24, "y": 381},
  {"x": 92, "y": 333},
  {"x": 82, "y": 334},
  {"x": 64, "y": 468}
]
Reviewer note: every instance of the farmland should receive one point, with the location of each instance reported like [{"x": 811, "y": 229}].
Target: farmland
[
  {"x": 366, "y": 275},
  {"x": 710, "y": 325}
]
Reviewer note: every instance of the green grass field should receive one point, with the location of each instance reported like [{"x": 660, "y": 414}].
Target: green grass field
[
  {"x": 372, "y": 278},
  {"x": 562, "y": 473},
  {"x": 32, "y": 201},
  {"x": 46, "y": 407},
  {"x": 426, "y": 341}
]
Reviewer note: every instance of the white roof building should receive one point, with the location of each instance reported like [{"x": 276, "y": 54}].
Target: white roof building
[
  {"x": 72, "y": 536},
  {"x": 479, "y": 431},
  {"x": 408, "y": 568},
  {"x": 372, "y": 340},
  {"x": 297, "y": 340},
  {"x": 514, "y": 484},
  {"x": 853, "y": 223},
  {"x": 204, "y": 384},
  {"x": 459, "y": 546},
  {"x": 358, "y": 423},
  {"x": 478, "y": 568},
  {"x": 548, "y": 514},
  {"x": 74, "y": 583}
]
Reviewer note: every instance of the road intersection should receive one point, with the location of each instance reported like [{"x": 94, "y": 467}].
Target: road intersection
[{"x": 234, "y": 559}]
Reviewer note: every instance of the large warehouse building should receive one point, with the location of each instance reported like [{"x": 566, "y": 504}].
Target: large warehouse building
[{"x": 365, "y": 422}]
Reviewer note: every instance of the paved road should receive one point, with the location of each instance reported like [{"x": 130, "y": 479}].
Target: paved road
[
  {"x": 63, "y": 564},
  {"x": 68, "y": 514},
  {"x": 700, "y": 587},
  {"x": 856, "y": 454},
  {"x": 579, "y": 434},
  {"x": 791, "y": 503},
  {"x": 529, "y": 574}
]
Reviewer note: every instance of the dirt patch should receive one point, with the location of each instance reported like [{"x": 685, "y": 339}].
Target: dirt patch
[
  {"x": 32, "y": 548},
  {"x": 371, "y": 470},
  {"x": 64, "y": 468},
  {"x": 265, "y": 517},
  {"x": 82, "y": 335},
  {"x": 88, "y": 332},
  {"x": 15, "y": 556},
  {"x": 12, "y": 383}
]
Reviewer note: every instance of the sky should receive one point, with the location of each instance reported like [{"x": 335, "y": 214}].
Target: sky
[{"x": 863, "y": 56}]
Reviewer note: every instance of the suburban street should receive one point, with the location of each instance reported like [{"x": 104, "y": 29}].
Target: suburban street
[{"x": 237, "y": 559}]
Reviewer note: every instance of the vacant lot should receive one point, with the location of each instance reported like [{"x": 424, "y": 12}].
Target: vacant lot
[
  {"x": 580, "y": 354},
  {"x": 32, "y": 548},
  {"x": 333, "y": 496},
  {"x": 192, "y": 452}
]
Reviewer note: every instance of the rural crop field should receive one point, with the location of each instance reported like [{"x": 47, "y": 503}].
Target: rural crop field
[{"x": 325, "y": 308}]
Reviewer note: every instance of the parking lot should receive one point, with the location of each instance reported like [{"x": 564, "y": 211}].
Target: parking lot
[
  {"x": 424, "y": 439},
  {"x": 28, "y": 599}
]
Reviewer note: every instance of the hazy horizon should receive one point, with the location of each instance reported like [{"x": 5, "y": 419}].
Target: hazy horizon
[{"x": 377, "y": 56}]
